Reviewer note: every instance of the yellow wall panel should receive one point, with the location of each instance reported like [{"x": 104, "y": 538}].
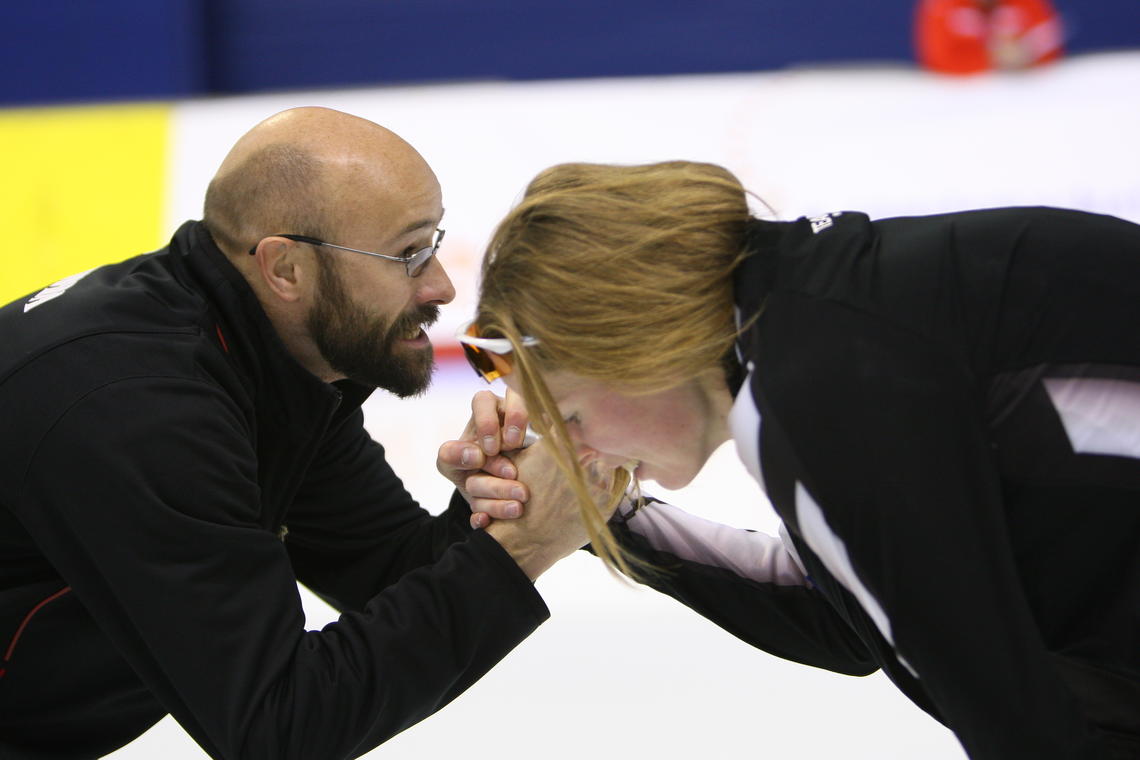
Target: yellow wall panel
[{"x": 80, "y": 187}]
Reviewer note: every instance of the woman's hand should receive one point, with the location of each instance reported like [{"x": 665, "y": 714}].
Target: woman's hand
[
  {"x": 476, "y": 464},
  {"x": 552, "y": 526}
]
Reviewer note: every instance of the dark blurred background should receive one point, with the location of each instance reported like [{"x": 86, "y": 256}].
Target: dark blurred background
[{"x": 55, "y": 51}]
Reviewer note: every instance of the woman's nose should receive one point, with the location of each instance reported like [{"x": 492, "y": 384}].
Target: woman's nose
[
  {"x": 586, "y": 455},
  {"x": 606, "y": 461}
]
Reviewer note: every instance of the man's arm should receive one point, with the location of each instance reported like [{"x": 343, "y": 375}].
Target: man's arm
[
  {"x": 157, "y": 530},
  {"x": 354, "y": 528}
]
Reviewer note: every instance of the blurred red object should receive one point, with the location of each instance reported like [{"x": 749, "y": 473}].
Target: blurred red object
[{"x": 970, "y": 36}]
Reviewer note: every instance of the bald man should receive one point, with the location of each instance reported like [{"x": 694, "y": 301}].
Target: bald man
[{"x": 183, "y": 442}]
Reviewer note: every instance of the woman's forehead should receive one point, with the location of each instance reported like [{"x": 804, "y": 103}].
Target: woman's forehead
[{"x": 562, "y": 385}]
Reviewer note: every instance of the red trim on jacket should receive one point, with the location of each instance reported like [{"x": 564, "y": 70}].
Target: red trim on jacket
[
  {"x": 24, "y": 624},
  {"x": 222, "y": 338}
]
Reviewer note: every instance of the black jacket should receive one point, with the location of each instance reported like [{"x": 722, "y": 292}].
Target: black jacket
[
  {"x": 167, "y": 474},
  {"x": 945, "y": 413}
]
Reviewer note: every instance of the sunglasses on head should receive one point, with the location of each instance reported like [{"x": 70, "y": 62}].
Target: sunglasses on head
[{"x": 487, "y": 356}]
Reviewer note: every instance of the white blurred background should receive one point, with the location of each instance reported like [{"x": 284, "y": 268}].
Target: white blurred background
[{"x": 620, "y": 671}]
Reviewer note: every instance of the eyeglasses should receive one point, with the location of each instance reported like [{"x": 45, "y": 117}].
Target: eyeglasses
[
  {"x": 414, "y": 263},
  {"x": 487, "y": 356}
]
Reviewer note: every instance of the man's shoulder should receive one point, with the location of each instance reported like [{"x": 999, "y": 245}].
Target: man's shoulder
[
  {"x": 129, "y": 321},
  {"x": 114, "y": 380},
  {"x": 130, "y": 310}
]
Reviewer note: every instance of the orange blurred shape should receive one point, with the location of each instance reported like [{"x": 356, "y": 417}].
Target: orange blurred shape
[{"x": 971, "y": 36}]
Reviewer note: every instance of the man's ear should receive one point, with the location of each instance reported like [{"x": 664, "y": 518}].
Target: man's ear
[{"x": 284, "y": 268}]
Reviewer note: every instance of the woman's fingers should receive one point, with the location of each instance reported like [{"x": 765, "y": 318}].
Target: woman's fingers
[
  {"x": 515, "y": 420},
  {"x": 486, "y": 409}
]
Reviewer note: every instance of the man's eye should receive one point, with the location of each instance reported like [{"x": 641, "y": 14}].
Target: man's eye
[
  {"x": 573, "y": 419},
  {"x": 409, "y": 252}
]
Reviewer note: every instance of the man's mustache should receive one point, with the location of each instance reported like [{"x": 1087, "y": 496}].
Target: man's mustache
[{"x": 424, "y": 315}]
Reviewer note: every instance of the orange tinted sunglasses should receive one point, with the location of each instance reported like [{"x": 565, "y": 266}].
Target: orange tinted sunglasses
[{"x": 487, "y": 356}]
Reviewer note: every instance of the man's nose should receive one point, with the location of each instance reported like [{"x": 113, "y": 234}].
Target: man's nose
[{"x": 434, "y": 286}]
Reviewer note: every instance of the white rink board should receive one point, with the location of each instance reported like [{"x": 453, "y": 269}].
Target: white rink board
[
  {"x": 625, "y": 672},
  {"x": 887, "y": 141}
]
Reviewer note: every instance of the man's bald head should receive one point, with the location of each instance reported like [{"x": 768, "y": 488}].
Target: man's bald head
[
  {"x": 301, "y": 171},
  {"x": 352, "y": 183}
]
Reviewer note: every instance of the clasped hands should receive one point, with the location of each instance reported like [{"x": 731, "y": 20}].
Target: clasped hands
[{"x": 519, "y": 496}]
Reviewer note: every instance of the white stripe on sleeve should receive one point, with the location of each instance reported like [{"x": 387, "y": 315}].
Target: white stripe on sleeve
[
  {"x": 749, "y": 554},
  {"x": 1101, "y": 416}
]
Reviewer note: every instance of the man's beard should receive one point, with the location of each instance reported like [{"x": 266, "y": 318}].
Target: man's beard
[{"x": 362, "y": 347}]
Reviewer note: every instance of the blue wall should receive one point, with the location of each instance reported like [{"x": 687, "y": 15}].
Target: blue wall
[
  {"x": 67, "y": 50},
  {"x": 76, "y": 50}
]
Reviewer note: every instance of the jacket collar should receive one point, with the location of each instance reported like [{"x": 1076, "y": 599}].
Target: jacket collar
[
  {"x": 753, "y": 280},
  {"x": 249, "y": 339}
]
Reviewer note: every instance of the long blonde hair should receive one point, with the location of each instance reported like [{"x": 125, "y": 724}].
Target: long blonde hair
[{"x": 624, "y": 275}]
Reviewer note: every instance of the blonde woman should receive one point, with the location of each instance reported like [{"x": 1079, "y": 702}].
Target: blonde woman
[{"x": 944, "y": 411}]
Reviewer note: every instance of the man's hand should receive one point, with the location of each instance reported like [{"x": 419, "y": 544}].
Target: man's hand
[
  {"x": 476, "y": 465},
  {"x": 552, "y": 527}
]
